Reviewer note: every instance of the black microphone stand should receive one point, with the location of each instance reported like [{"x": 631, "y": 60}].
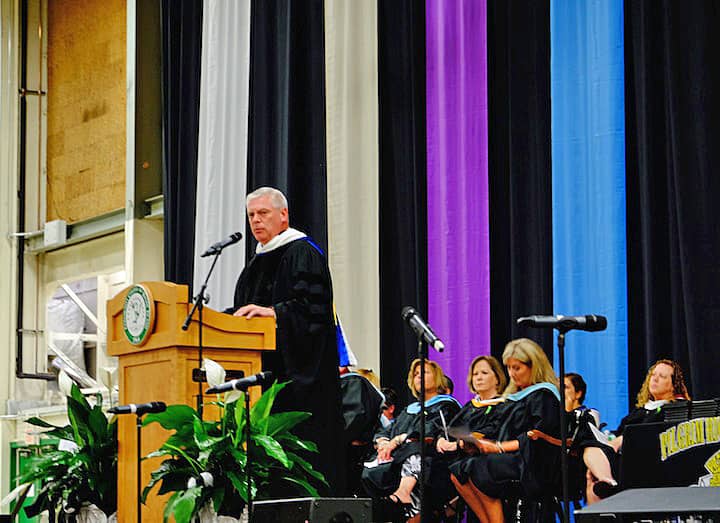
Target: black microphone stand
[
  {"x": 422, "y": 355},
  {"x": 198, "y": 302},
  {"x": 563, "y": 426},
  {"x": 248, "y": 460},
  {"x": 138, "y": 427}
]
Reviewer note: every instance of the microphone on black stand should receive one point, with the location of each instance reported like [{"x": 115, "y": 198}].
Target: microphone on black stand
[
  {"x": 422, "y": 329},
  {"x": 139, "y": 410},
  {"x": 589, "y": 323},
  {"x": 243, "y": 384},
  {"x": 214, "y": 250},
  {"x": 261, "y": 378},
  {"x": 425, "y": 334},
  {"x": 219, "y": 246}
]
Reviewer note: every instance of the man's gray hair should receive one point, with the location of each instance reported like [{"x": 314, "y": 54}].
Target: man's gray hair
[{"x": 276, "y": 197}]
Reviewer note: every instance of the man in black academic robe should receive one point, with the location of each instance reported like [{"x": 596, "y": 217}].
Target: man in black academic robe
[{"x": 288, "y": 279}]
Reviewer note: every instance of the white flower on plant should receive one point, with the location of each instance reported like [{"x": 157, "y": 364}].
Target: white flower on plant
[
  {"x": 214, "y": 372},
  {"x": 16, "y": 493},
  {"x": 204, "y": 480},
  {"x": 215, "y": 375},
  {"x": 65, "y": 383}
]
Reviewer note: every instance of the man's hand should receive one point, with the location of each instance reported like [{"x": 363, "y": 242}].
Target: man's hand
[{"x": 255, "y": 311}]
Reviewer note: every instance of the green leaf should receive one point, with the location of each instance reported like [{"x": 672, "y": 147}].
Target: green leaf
[
  {"x": 79, "y": 397},
  {"x": 97, "y": 423},
  {"x": 239, "y": 484},
  {"x": 41, "y": 423},
  {"x": 78, "y": 421},
  {"x": 272, "y": 448},
  {"x": 282, "y": 421},
  {"x": 184, "y": 506},
  {"x": 217, "y": 499},
  {"x": 175, "y": 417},
  {"x": 292, "y": 441},
  {"x": 306, "y": 467},
  {"x": 261, "y": 410},
  {"x": 238, "y": 415},
  {"x": 307, "y": 487}
]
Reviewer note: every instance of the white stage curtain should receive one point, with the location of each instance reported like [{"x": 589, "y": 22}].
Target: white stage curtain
[
  {"x": 222, "y": 147},
  {"x": 352, "y": 171}
]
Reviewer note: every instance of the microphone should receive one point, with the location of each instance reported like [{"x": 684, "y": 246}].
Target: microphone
[
  {"x": 219, "y": 246},
  {"x": 422, "y": 329},
  {"x": 590, "y": 322},
  {"x": 242, "y": 384},
  {"x": 140, "y": 409}
]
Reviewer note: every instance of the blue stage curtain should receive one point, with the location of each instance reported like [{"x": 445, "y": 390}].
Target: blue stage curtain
[{"x": 588, "y": 178}]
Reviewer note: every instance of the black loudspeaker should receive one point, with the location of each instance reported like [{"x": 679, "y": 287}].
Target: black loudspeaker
[
  {"x": 313, "y": 510},
  {"x": 646, "y": 505}
]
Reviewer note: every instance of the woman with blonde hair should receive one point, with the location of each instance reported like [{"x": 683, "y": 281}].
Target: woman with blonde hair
[
  {"x": 393, "y": 472},
  {"x": 507, "y": 457}
]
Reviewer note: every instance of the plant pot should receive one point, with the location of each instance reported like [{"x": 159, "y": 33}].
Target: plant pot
[
  {"x": 208, "y": 515},
  {"x": 92, "y": 514}
]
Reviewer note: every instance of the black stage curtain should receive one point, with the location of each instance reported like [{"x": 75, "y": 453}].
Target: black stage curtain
[
  {"x": 520, "y": 181},
  {"x": 403, "y": 192},
  {"x": 286, "y": 134},
  {"x": 672, "y": 133},
  {"x": 181, "y": 55}
]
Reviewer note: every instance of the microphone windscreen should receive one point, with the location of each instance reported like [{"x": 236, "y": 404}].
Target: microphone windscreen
[
  {"x": 407, "y": 312},
  {"x": 596, "y": 323}
]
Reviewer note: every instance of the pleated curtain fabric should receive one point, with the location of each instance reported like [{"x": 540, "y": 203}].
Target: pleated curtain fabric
[
  {"x": 458, "y": 249},
  {"x": 181, "y": 23},
  {"x": 403, "y": 187},
  {"x": 519, "y": 167},
  {"x": 222, "y": 149},
  {"x": 588, "y": 186},
  {"x": 351, "y": 104},
  {"x": 673, "y": 128}
]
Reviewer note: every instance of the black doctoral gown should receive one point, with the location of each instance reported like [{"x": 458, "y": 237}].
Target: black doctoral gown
[
  {"x": 295, "y": 280},
  {"x": 535, "y": 468}
]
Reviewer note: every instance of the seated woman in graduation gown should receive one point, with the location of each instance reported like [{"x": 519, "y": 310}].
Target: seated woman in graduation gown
[
  {"x": 509, "y": 463},
  {"x": 664, "y": 383},
  {"x": 394, "y": 470},
  {"x": 486, "y": 380},
  {"x": 580, "y": 418}
]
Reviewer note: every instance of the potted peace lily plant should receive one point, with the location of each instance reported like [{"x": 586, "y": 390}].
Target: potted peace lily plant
[
  {"x": 204, "y": 465},
  {"x": 79, "y": 479}
]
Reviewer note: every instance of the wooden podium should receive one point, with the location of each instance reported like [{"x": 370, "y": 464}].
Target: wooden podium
[{"x": 156, "y": 358}]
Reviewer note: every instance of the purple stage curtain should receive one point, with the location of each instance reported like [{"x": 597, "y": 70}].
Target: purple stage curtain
[{"x": 457, "y": 183}]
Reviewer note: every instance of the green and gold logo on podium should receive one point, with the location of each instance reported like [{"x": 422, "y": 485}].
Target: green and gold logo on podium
[{"x": 138, "y": 314}]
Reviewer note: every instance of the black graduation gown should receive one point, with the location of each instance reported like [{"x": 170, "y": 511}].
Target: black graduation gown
[
  {"x": 295, "y": 280},
  {"x": 532, "y": 471},
  {"x": 361, "y": 403},
  {"x": 385, "y": 478},
  {"x": 470, "y": 418},
  {"x": 637, "y": 416}
]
